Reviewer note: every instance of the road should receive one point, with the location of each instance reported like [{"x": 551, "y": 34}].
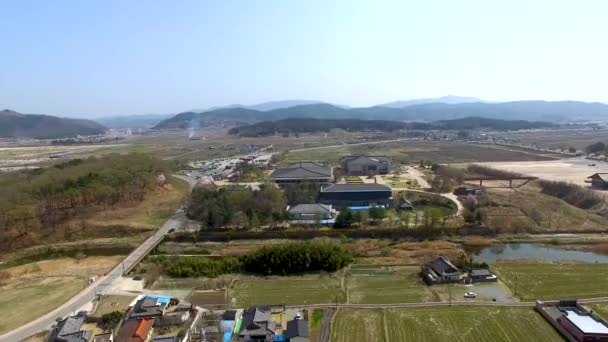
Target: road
[{"x": 88, "y": 294}]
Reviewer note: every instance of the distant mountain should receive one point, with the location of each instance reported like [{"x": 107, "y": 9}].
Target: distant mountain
[
  {"x": 556, "y": 111},
  {"x": 132, "y": 121},
  {"x": 17, "y": 125},
  {"x": 267, "y": 106},
  {"x": 450, "y": 99}
]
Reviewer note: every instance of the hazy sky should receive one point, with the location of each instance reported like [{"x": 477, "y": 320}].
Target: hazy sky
[{"x": 97, "y": 58}]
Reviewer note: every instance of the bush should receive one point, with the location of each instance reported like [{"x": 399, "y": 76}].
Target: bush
[
  {"x": 111, "y": 320},
  {"x": 345, "y": 219},
  {"x": 490, "y": 172},
  {"x": 571, "y": 193}
]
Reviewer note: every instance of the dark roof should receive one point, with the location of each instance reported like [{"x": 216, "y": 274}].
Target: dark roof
[
  {"x": 315, "y": 208},
  {"x": 229, "y": 315},
  {"x": 257, "y": 321},
  {"x": 404, "y": 203},
  {"x": 376, "y": 159},
  {"x": 303, "y": 170},
  {"x": 297, "y": 328},
  {"x": 599, "y": 176},
  {"x": 441, "y": 265},
  {"x": 68, "y": 330},
  {"x": 356, "y": 187},
  {"x": 148, "y": 307}
]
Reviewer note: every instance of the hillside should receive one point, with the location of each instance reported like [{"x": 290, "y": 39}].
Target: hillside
[
  {"x": 132, "y": 121},
  {"x": 311, "y": 125},
  {"x": 520, "y": 110},
  {"x": 17, "y": 125},
  {"x": 450, "y": 99}
]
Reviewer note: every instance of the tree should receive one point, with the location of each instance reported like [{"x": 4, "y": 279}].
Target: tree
[
  {"x": 377, "y": 212},
  {"x": 345, "y": 219},
  {"x": 110, "y": 320}
]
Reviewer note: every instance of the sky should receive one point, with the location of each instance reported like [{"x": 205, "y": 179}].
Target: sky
[{"x": 103, "y": 58}]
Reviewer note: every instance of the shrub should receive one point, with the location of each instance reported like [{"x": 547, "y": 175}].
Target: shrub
[
  {"x": 571, "y": 193},
  {"x": 110, "y": 320}
]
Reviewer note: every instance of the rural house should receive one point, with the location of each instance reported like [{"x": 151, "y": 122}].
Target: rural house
[
  {"x": 481, "y": 275},
  {"x": 315, "y": 213},
  {"x": 356, "y": 195},
  {"x": 598, "y": 180},
  {"x": 149, "y": 306},
  {"x": 257, "y": 325},
  {"x": 303, "y": 172},
  {"x": 69, "y": 330},
  {"x": 365, "y": 166},
  {"x": 297, "y": 330},
  {"x": 136, "y": 330},
  {"x": 441, "y": 270}
]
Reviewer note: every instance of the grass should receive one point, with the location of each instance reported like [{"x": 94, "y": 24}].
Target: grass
[
  {"x": 316, "y": 318},
  {"x": 37, "y": 288},
  {"x": 111, "y": 303},
  {"x": 546, "y": 281},
  {"x": 468, "y": 324},
  {"x": 309, "y": 289},
  {"x": 376, "y": 285},
  {"x": 23, "y": 304},
  {"x": 600, "y": 309}
]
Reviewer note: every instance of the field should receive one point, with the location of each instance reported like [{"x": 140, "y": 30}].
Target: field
[
  {"x": 377, "y": 285},
  {"x": 441, "y": 324},
  {"x": 574, "y": 170},
  {"x": 309, "y": 289},
  {"x": 208, "y": 298},
  {"x": 600, "y": 309},
  {"x": 414, "y": 151},
  {"x": 37, "y": 288},
  {"x": 111, "y": 303},
  {"x": 531, "y": 281},
  {"x": 526, "y": 209}
]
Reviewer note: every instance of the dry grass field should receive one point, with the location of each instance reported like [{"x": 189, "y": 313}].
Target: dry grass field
[
  {"x": 37, "y": 288},
  {"x": 111, "y": 303},
  {"x": 470, "y": 324}
]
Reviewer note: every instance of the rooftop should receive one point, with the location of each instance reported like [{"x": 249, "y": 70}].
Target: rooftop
[
  {"x": 371, "y": 187},
  {"x": 297, "y": 327},
  {"x": 310, "y": 208},
  {"x": 585, "y": 321},
  {"x": 303, "y": 170},
  {"x": 442, "y": 265}
]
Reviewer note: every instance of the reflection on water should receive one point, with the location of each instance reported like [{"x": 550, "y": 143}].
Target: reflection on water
[{"x": 531, "y": 251}]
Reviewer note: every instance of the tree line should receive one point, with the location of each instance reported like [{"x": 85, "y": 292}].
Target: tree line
[
  {"x": 37, "y": 201},
  {"x": 282, "y": 259}
]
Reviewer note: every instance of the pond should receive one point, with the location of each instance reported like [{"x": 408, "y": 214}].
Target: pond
[{"x": 532, "y": 251}]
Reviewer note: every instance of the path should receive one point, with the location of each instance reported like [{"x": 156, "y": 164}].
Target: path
[
  {"x": 325, "y": 331},
  {"x": 89, "y": 293}
]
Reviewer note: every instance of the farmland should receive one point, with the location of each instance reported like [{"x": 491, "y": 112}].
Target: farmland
[
  {"x": 413, "y": 151},
  {"x": 532, "y": 280},
  {"x": 441, "y": 324},
  {"x": 309, "y": 289},
  {"x": 37, "y": 288},
  {"x": 376, "y": 285}
]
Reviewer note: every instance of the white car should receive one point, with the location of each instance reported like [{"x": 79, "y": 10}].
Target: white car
[{"x": 470, "y": 295}]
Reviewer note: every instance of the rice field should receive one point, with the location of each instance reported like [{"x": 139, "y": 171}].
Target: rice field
[
  {"x": 468, "y": 324},
  {"x": 533, "y": 280}
]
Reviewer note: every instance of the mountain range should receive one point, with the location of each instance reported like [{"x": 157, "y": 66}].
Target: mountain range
[
  {"x": 37, "y": 126},
  {"x": 552, "y": 111}
]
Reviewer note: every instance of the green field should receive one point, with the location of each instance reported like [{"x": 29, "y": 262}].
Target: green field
[
  {"x": 600, "y": 309},
  {"x": 378, "y": 285},
  {"x": 532, "y": 280},
  {"x": 441, "y": 324},
  {"x": 312, "y": 289},
  {"x": 22, "y": 304}
]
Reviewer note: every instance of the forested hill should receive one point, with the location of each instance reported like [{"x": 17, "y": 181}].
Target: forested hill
[
  {"x": 17, "y": 125},
  {"x": 35, "y": 203},
  {"x": 520, "y": 110},
  {"x": 311, "y": 125}
]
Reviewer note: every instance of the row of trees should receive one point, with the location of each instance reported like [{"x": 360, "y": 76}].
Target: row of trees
[
  {"x": 36, "y": 201},
  {"x": 283, "y": 259},
  {"x": 237, "y": 208}
]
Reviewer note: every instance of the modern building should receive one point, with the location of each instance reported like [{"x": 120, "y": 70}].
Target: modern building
[
  {"x": 574, "y": 321},
  {"x": 303, "y": 172},
  {"x": 356, "y": 195},
  {"x": 257, "y": 325},
  {"x": 441, "y": 270},
  {"x": 315, "y": 213},
  {"x": 598, "y": 180},
  {"x": 297, "y": 330},
  {"x": 366, "y": 165},
  {"x": 148, "y": 306},
  {"x": 70, "y": 330},
  {"x": 481, "y": 275}
]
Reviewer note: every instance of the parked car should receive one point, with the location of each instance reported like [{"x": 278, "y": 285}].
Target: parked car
[{"x": 470, "y": 295}]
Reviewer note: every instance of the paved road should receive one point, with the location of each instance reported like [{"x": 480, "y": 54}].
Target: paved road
[{"x": 88, "y": 294}]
